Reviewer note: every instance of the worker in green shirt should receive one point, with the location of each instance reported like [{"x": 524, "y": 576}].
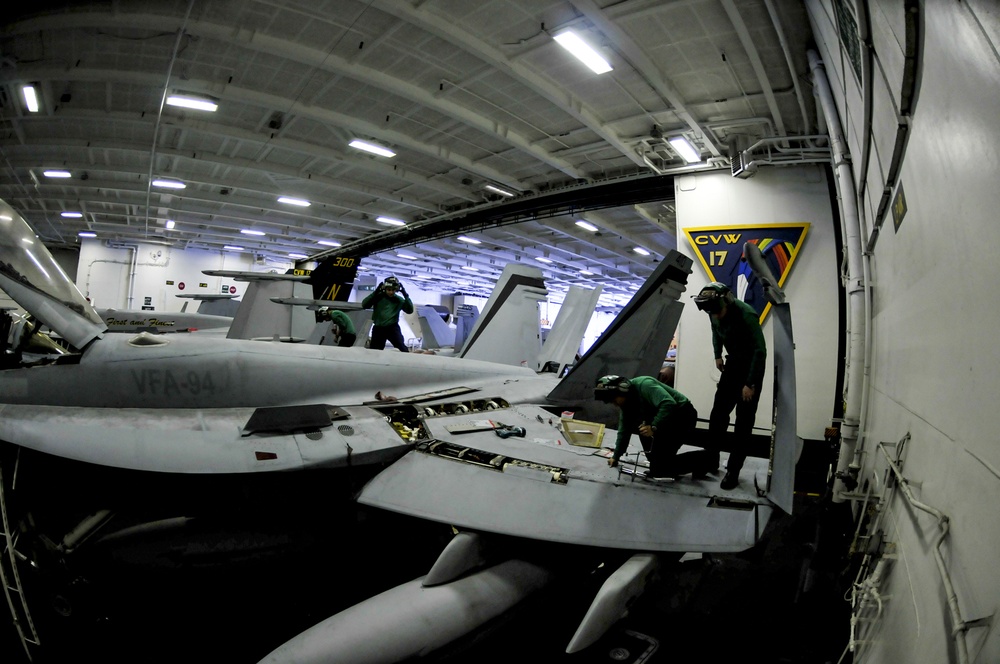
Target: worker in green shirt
[
  {"x": 346, "y": 334},
  {"x": 735, "y": 330},
  {"x": 386, "y": 302},
  {"x": 664, "y": 419}
]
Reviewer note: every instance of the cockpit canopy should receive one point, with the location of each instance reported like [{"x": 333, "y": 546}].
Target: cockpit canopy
[{"x": 32, "y": 278}]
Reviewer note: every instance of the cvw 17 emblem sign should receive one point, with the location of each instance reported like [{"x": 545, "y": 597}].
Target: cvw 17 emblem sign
[{"x": 720, "y": 251}]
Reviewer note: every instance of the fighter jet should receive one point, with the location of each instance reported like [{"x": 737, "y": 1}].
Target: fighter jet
[{"x": 481, "y": 445}]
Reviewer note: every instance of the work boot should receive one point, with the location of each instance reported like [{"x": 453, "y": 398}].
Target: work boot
[{"x": 730, "y": 480}]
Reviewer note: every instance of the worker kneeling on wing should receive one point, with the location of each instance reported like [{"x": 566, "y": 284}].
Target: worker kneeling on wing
[{"x": 664, "y": 419}]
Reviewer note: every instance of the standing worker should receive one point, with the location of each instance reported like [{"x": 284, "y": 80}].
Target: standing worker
[
  {"x": 735, "y": 328},
  {"x": 664, "y": 419},
  {"x": 386, "y": 302},
  {"x": 346, "y": 335}
]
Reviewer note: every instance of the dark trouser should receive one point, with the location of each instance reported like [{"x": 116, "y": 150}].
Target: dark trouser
[
  {"x": 729, "y": 394},
  {"x": 390, "y": 333},
  {"x": 348, "y": 339},
  {"x": 661, "y": 449}
]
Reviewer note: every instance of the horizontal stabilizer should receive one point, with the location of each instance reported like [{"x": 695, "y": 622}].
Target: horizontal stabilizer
[
  {"x": 236, "y": 275},
  {"x": 310, "y": 303}
]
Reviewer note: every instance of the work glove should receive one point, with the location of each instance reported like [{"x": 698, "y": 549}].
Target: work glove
[{"x": 402, "y": 289}]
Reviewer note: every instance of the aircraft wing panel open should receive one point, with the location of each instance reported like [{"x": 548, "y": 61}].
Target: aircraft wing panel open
[{"x": 541, "y": 487}]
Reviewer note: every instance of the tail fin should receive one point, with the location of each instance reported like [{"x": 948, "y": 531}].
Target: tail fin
[
  {"x": 333, "y": 278},
  {"x": 563, "y": 343},
  {"x": 636, "y": 342},
  {"x": 508, "y": 331}
]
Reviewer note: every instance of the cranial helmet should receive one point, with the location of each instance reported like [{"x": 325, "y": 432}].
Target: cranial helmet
[
  {"x": 391, "y": 282},
  {"x": 713, "y": 296},
  {"x": 609, "y": 387}
]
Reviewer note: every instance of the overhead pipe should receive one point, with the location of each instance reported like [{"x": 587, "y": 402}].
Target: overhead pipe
[{"x": 857, "y": 362}]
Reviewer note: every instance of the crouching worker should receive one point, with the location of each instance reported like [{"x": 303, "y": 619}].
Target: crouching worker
[{"x": 664, "y": 419}]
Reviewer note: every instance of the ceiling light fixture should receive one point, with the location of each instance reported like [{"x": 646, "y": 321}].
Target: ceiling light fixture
[
  {"x": 196, "y": 103},
  {"x": 390, "y": 221},
  {"x": 582, "y": 51},
  {"x": 641, "y": 251},
  {"x": 57, "y": 174},
  {"x": 30, "y": 98},
  {"x": 247, "y": 231},
  {"x": 586, "y": 225},
  {"x": 542, "y": 259},
  {"x": 170, "y": 224},
  {"x": 407, "y": 256},
  {"x": 470, "y": 268},
  {"x": 87, "y": 234},
  {"x": 328, "y": 243},
  {"x": 297, "y": 256},
  {"x": 169, "y": 184},
  {"x": 586, "y": 273},
  {"x": 470, "y": 240},
  {"x": 71, "y": 215},
  {"x": 232, "y": 248},
  {"x": 301, "y": 202},
  {"x": 498, "y": 190},
  {"x": 372, "y": 147},
  {"x": 685, "y": 149}
]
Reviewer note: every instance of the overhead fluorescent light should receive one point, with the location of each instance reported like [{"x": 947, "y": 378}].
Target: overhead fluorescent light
[
  {"x": 586, "y": 273},
  {"x": 470, "y": 268},
  {"x": 470, "y": 240},
  {"x": 685, "y": 149},
  {"x": 542, "y": 259},
  {"x": 57, "y": 174},
  {"x": 170, "y": 224},
  {"x": 371, "y": 147},
  {"x": 232, "y": 248},
  {"x": 247, "y": 231},
  {"x": 87, "y": 234},
  {"x": 169, "y": 184},
  {"x": 328, "y": 243},
  {"x": 196, "y": 103},
  {"x": 301, "y": 202},
  {"x": 391, "y": 221},
  {"x": 407, "y": 256},
  {"x": 71, "y": 215},
  {"x": 498, "y": 190},
  {"x": 641, "y": 251},
  {"x": 570, "y": 41},
  {"x": 586, "y": 225},
  {"x": 30, "y": 98},
  {"x": 297, "y": 256}
]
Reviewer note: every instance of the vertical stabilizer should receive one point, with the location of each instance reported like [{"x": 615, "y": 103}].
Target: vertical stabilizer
[
  {"x": 563, "y": 342},
  {"x": 260, "y": 318},
  {"x": 508, "y": 331},
  {"x": 636, "y": 342},
  {"x": 433, "y": 330},
  {"x": 333, "y": 278}
]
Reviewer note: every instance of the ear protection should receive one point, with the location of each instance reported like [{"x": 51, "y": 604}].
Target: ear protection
[{"x": 611, "y": 386}]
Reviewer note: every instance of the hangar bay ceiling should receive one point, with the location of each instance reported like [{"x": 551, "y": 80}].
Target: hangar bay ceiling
[{"x": 501, "y": 140}]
